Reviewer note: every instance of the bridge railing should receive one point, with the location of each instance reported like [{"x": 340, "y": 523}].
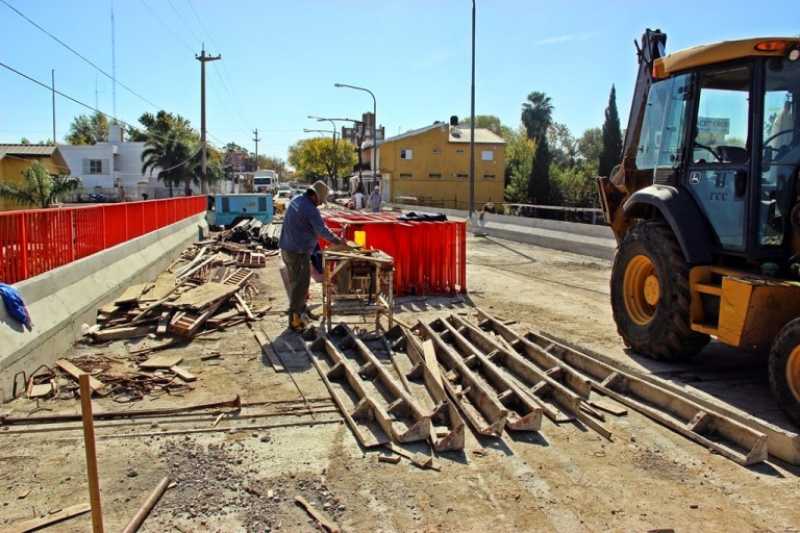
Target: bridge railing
[{"x": 34, "y": 241}]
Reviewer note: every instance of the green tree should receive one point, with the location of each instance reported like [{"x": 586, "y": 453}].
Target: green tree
[
  {"x": 563, "y": 145},
  {"x": 39, "y": 188},
  {"x": 314, "y": 158},
  {"x": 88, "y": 129},
  {"x": 490, "y": 122},
  {"x": 162, "y": 124},
  {"x": 537, "y": 116},
  {"x": 612, "y": 137},
  {"x": 590, "y": 145},
  {"x": 173, "y": 156},
  {"x": 519, "y": 164}
]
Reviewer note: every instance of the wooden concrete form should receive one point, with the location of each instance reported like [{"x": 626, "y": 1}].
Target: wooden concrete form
[
  {"x": 478, "y": 403},
  {"x": 705, "y": 426},
  {"x": 348, "y": 393},
  {"x": 524, "y": 413},
  {"x": 424, "y": 382},
  {"x": 560, "y": 403},
  {"x": 397, "y": 411}
]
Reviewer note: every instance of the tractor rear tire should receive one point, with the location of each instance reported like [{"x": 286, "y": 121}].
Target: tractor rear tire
[
  {"x": 784, "y": 369},
  {"x": 650, "y": 294}
]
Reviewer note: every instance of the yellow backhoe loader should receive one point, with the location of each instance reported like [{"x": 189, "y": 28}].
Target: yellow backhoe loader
[{"x": 705, "y": 205}]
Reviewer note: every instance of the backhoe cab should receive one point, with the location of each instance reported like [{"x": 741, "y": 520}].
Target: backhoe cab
[{"x": 704, "y": 205}]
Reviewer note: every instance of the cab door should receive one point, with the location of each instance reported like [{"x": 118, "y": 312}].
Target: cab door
[{"x": 718, "y": 166}]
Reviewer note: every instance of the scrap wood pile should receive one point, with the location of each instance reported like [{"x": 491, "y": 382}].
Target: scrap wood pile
[
  {"x": 209, "y": 288},
  {"x": 430, "y": 382},
  {"x": 253, "y": 233}
]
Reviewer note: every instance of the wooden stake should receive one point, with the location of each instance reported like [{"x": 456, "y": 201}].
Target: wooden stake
[
  {"x": 91, "y": 455},
  {"x": 138, "y": 519}
]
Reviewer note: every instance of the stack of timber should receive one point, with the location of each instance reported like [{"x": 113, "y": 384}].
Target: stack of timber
[
  {"x": 206, "y": 289},
  {"x": 253, "y": 235}
]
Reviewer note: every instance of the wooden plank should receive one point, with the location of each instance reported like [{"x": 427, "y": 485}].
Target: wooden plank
[
  {"x": 202, "y": 296},
  {"x": 182, "y": 373},
  {"x": 38, "y": 391},
  {"x": 429, "y": 352},
  {"x": 267, "y": 350},
  {"x": 161, "y": 361},
  {"x": 608, "y": 407},
  {"x": 115, "y": 334},
  {"x": 76, "y": 374},
  {"x": 318, "y": 517},
  {"x": 49, "y": 520},
  {"x": 163, "y": 287},
  {"x": 245, "y": 307},
  {"x": 131, "y": 294}
]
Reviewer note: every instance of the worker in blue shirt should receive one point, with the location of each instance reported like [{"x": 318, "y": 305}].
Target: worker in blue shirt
[{"x": 302, "y": 227}]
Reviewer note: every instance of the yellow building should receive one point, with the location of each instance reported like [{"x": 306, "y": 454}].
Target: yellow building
[
  {"x": 15, "y": 158},
  {"x": 430, "y": 166}
]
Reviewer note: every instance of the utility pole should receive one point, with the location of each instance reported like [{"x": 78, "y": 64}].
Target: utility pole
[
  {"x": 255, "y": 140},
  {"x": 472, "y": 128},
  {"x": 53, "y": 87},
  {"x": 113, "y": 66},
  {"x": 203, "y": 59}
]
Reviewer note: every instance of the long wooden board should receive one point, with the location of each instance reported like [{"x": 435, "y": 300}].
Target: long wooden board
[
  {"x": 202, "y": 296},
  {"x": 75, "y": 372},
  {"x": 39, "y": 523},
  {"x": 268, "y": 351}
]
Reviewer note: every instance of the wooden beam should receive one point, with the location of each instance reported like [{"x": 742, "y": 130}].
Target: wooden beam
[
  {"x": 76, "y": 374},
  {"x": 40, "y": 523},
  {"x": 91, "y": 453}
]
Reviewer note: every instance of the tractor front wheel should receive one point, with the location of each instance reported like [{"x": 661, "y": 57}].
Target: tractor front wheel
[
  {"x": 784, "y": 369},
  {"x": 650, "y": 294}
]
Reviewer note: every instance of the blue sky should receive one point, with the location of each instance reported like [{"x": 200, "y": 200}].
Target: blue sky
[{"x": 281, "y": 58}]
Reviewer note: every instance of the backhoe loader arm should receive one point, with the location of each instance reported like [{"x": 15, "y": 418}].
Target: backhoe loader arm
[{"x": 624, "y": 179}]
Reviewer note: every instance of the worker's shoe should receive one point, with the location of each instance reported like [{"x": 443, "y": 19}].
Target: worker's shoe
[{"x": 296, "y": 322}]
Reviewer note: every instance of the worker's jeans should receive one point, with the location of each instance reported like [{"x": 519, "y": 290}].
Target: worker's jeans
[{"x": 298, "y": 268}]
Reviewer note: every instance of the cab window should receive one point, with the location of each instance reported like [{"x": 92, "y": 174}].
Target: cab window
[
  {"x": 721, "y": 132},
  {"x": 661, "y": 140}
]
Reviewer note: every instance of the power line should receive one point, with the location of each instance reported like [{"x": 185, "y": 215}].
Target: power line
[
  {"x": 83, "y": 57},
  {"x": 75, "y": 100},
  {"x": 167, "y": 26}
]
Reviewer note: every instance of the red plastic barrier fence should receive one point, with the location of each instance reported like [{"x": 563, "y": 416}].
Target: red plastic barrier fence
[
  {"x": 37, "y": 240},
  {"x": 429, "y": 257}
]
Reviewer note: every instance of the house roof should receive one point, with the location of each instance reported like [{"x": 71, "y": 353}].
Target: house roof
[
  {"x": 482, "y": 136},
  {"x": 35, "y": 150},
  {"x": 29, "y": 150},
  {"x": 456, "y": 135}
]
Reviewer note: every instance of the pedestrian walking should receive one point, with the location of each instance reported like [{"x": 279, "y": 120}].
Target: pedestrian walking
[{"x": 374, "y": 202}]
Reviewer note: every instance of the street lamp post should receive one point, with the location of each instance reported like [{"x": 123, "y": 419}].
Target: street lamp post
[
  {"x": 472, "y": 128},
  {"x": 374, "y": 125},
  {"x": 333, "y": 122}
]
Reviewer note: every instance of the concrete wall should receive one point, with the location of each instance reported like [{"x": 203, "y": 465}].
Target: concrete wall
[{"x": 61, "y": 300}]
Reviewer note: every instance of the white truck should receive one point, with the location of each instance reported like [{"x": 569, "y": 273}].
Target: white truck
[{"x": 265, "y": 181}]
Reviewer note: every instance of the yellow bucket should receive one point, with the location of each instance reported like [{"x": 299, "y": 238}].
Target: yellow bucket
[{"x": 360, "y": 237}]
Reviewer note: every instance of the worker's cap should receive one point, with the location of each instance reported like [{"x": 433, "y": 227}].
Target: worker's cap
[{"x": 321, "y": 190}]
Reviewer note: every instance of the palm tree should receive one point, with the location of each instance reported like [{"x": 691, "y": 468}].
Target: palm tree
[
  {"x": 537, "y": 114},
  {"x": 172, "y": 156},
  {"x": 39, "y": 188}
]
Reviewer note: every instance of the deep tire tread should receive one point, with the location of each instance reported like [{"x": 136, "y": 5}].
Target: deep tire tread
[{"x": 668, "y": 336}]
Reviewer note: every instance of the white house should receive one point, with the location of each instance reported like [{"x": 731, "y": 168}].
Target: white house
[{"x": 114, "y": 169}]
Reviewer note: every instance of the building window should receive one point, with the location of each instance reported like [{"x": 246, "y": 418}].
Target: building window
[
  {"x": 487, "y": 155},
  {"x": 437, "y": 151},
  {"x": 488, "y": 176},
  {"x": 406, "y": 153},
  {"x": 406, "y": 175},
  {"x": 459, "y": 150},
  {"x": 462, "y": 176},
  {"x": 95, "y": 166},
  {"x": 435, "y": 175}
]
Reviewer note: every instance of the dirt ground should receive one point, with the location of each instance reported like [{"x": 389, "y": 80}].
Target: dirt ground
[{"x": 243, "y": 473}]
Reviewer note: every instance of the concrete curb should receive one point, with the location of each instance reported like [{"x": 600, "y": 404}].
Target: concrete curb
[
  {"x": 61, "y": 300},
  {"x": 584, "y": 239}
]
